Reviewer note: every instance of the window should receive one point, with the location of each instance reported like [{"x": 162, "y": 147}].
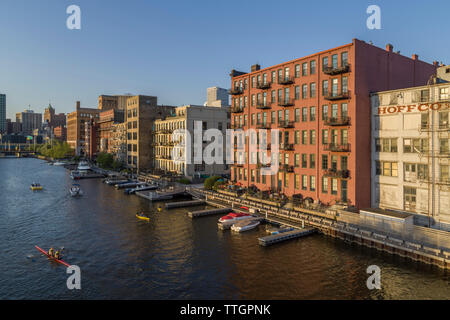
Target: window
[
  {"x": 386, "y": 145},
  {"x": 324, "y": 184},
  {"x": 324, "y": 136},
  {"x": 312, "y": 114},
  {"x": 444, "y": 176},
  {"x": 424, "y": 95},
  {"x": 304, "y": 182},
  {"x": 274, "y": 74},
  {"x": 312, "y": 90},
  {"x": 297, "y": 92},
  {"x": 304, "y": 114},
  {"x": 334, "y": 61},
  {"x": 378, "y": 168},
  {"x": 304, "y": 137},
  {"x": 245, "y": 84},
  {"x": 415, "y": 145},
  {"x": 312, "y": 161},
  {"x": 334, "y": 111},
  {"x": 297, "y": 160},
  {"x": 443, "y": 146},
  {"x": 324, "y": 162},
  {"x": 312, "y": 137},
  {"x": 325, "y": 112},
  {"x": 305, "y": 91},
  {"x": 443, "y": 94},
  {"x": 297, "y": 137},
  {"x": 324, "y": 87},
  {"x": 344, "y": 110},
  {"x": 344, "y": 59},
  {"x": 334, "y": 186},
  {"x": 304, "y": 161},
  {"x": 273, "y": 117},
  {"x": 297, "y": 181},
  {"x": 297, "y": 70},
  {"x": 313, "y": 66},
  {"x": 409, "y": 198},
  {"x": 443, "y": 120},
  {"x": 253, "y": 100},
  {"x": 253, "y": 82},
  {"x": 390, "y": 169},
  {"x": 344, "y": 162},
  {"x": 344, "y": 85},
  {"x": 297, "y": 115},
  {"x": 273, "y": 96},
  {"x": 324, "y": 63},
  {"x": 305, "y": 69}
]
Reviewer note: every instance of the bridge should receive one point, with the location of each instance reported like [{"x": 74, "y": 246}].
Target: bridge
[{"x": 16, "y": 149}]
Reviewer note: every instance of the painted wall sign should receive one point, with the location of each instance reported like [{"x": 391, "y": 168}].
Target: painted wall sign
[{"x": 424, "y": 107}]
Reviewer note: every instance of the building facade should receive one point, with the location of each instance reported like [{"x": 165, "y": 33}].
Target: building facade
[
  {"x": 106, "y": 102},
  {"x": 217, "y": 97},
  {"x": 60, "y": 133},
  {"x": 105, "y": 127},
  {"x": 52, "y": 119},
  {"x": 76, "y": 128},
  {"x": 3, "y": 126},
  {"x": 142, "y": 111},
  {"x": 321, "y": 106},
  {"x": 117, "y": 143},
  {"x": 410, "y": 152},
  {"x": 29, "y": 121},
  {"x": 185, "y": 118}
]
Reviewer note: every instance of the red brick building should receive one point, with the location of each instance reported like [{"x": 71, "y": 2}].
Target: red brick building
[
  {"x": 321, "y": 105},
  {"x": 60, "y": 133}
]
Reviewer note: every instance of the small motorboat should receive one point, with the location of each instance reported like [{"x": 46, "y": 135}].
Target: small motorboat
[
  {"x": 245, "y": 225},
  {"x": 75, "y": 190},
  {"x": 141, "y": 216},
  {"x": 83, "y": 166},
  {"x": 59, "y": 163},
  {"x": 234, "y": 217},
  {"x": 36, "y": 186}
]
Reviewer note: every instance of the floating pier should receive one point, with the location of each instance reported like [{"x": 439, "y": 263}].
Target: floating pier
[
  {"x": 181, "y": 204},
  {"x": 161, "y": 195},
  {"x": 269, "y": 240},
  {"x": 209, "y": 212}
]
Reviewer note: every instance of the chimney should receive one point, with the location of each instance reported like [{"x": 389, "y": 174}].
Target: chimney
[
  {"x": 415, "y": 57},
  {"x": 255, "y": 67},
  {"x": 389, "y": 47},
  {"x": 78, "y": 105}
]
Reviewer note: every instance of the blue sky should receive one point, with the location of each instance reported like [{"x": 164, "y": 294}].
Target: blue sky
[{"x": 176, "y": 49}]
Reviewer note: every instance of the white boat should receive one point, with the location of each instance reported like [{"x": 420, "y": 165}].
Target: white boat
[
  {"x": 75, "y": 190},
  {"x": 83, "y": 166},
  {"x": 245, "y": 225},
  {"x": 59, "y": 163},
  {"x": 234, "y": 217}
]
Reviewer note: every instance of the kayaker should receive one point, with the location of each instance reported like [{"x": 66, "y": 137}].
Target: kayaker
[
  {"x": 50, "y": 252},
  {"x": 57, "y": 255}
]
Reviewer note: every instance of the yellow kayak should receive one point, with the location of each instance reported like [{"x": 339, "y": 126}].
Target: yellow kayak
[
  {"x": 35, "y": 187},
  {"x": 143, "y": 218}
]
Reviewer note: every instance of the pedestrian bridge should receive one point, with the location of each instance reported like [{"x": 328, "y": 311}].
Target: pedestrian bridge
[{"x": 18, "y": 149}]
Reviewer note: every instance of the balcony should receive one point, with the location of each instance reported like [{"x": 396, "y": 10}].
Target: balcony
[
  {"x": 342, "y": 121},
  {"x": 337, "y": 95},
  {"x": 342, "y": 174},
  {"x": 286, "y": 80},
  {"x": 263, "y": 126},
  {"x": 237, "y": 126},
  {"x": 263, "y": 105},
  {"x": 237, "y": 110},
  {"x": 286, "y": 124},
  {"x": 332, "y": 71},
  {"x": 286, "y": 168},
  {"x": 236, "y": 91},
  {"x": 286, "y": 102},
  {"x": 263, "y": 85},
  {"x": 287, "y": 147},
  {"x": 261, "y": 165},
  {"x": 335, "y": 147}
]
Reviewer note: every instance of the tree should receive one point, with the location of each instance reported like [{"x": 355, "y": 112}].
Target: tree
[
  {"x": 209, "y": 182},
  {"x": 105, "y": 160}
]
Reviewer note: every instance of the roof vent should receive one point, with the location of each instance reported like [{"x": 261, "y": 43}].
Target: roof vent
[{"x": 256, "y": 67}]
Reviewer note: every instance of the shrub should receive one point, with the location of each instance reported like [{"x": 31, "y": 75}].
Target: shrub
[
  {"x": 209, "y": 182},
  {"x": 217, "y": 184},
  {"x": 184, "y": 181}
]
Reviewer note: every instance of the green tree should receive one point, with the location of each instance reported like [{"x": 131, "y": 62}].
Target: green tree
[
  {"x": 209, "y": 182},
  {"x": 105, "y": 160}
]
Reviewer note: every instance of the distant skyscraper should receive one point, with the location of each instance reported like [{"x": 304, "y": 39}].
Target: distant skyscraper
[
  {"x": 217, "y": 97},
  {"x": 2, "y": 113},
  {"x": 29, "y": 121}
]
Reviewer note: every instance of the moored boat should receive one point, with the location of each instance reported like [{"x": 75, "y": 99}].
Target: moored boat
[
  {"x": 83, "y": 166},
  {"x": 233, "y": 218},
  {"x": 245, "y": 225}
]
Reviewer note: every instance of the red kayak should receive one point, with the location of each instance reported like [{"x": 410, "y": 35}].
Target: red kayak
[{"x": 52, "y": 258}]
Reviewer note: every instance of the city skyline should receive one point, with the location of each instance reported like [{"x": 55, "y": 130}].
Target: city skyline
[{"x": 78, "y": 65}]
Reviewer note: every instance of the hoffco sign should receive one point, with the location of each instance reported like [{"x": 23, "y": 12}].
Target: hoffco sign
[{"x": 438, "y": 106}]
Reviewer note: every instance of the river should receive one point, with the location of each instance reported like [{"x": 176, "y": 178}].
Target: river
[{"x": 173, "y": 257}]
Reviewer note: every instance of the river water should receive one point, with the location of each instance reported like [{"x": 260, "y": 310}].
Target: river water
[{"x": 173, "y": 257}]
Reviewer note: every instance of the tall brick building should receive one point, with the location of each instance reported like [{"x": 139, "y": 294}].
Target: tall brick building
[{"x": 321, "y": 105}]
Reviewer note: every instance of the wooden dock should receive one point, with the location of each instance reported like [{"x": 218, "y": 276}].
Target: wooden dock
[
  {"x": 269, "y": 240},
  {"x": 209, "y": 212},
  {"x": 181, "y": 204}
]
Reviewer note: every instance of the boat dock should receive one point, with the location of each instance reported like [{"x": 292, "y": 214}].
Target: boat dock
[
  {"x": 181, "y": 204},
  {"x": 269, "y": 240},
  {"x": 161, "y": 195},
  {"x": 209, "y": 212},
  {"x": 222, "y": 226}
]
